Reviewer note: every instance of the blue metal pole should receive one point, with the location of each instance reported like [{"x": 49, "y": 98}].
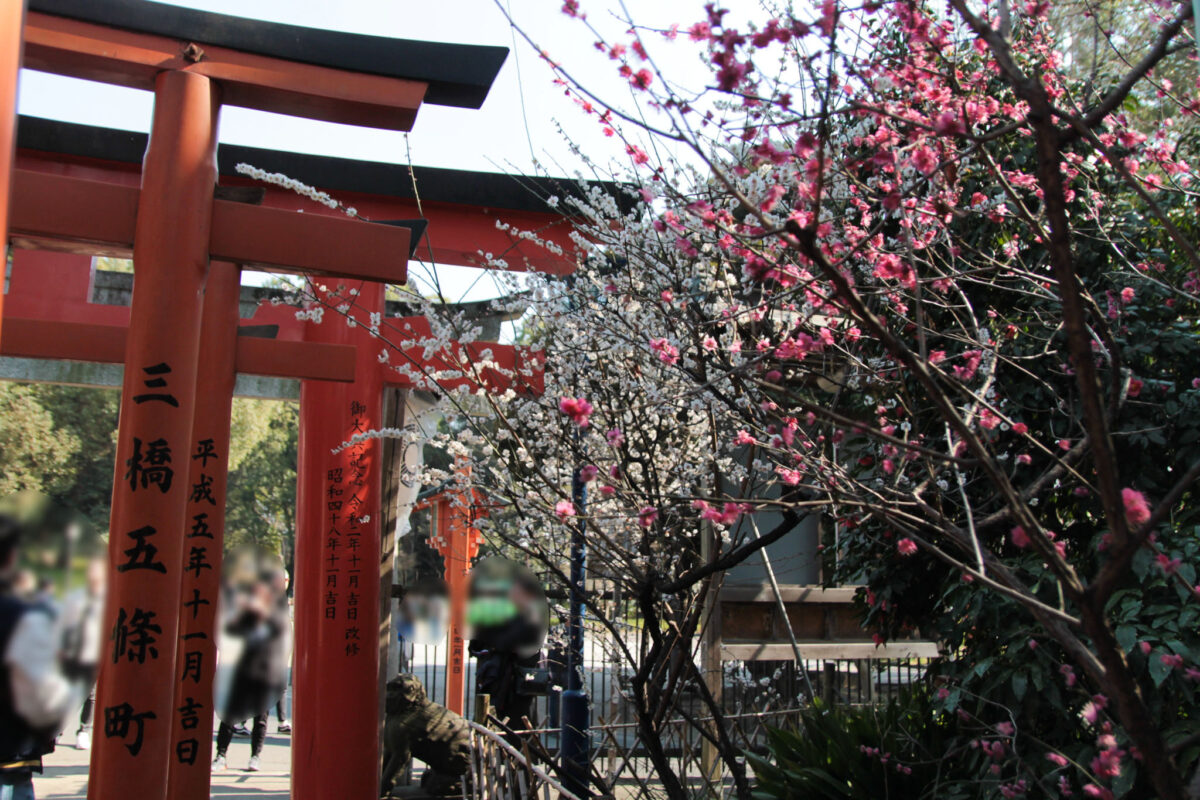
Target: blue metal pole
[{"x": 574, "y": 743}]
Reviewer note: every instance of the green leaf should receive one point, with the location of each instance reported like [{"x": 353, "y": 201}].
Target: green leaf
[
  {"x": 1019, "y": 684},
  {"x": 1123, "y": 783},
  {"x": 1158, "y": 670},
  {"x": 982, "y": 667}
]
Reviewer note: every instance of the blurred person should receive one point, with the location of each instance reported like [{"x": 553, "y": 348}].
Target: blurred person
[
  {"x": 283, "y": 724},
  {"x": 263, "y": 624},
  {"x": 43, "y": 595},
  {"x": 81, "y": 645},
  {"x": 423, "y": 614},
  {"x": 24, "y": 585},
  {"x": 33, "y": 695},
  {"x": 509, "y": 617}
]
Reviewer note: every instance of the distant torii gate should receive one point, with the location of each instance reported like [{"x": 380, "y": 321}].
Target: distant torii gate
[
  {"x": 47, "y": 301},
  {"x": 453, "y": 535},
  {"x": 154, "y": 694}
]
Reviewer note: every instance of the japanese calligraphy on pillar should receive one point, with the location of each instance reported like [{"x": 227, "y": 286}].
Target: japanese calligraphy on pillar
[
  {"x": 137, "y": 636},
  {"x": 197, "y": 652},
  {"x": 345, "y": 560},
  {"x": 335, "y": 483}
]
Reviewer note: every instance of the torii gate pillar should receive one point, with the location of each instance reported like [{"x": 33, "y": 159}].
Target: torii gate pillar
[
  {"x": 457, "y": 541},
  {"x": 335, "y": 747},
  {"x": 12, "y": 13},
  {"x": 196, "y": 648},
  {"x": 151, "y": 488}
]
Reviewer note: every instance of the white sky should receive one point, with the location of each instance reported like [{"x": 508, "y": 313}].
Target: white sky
[{"x": 516, "y": 124}]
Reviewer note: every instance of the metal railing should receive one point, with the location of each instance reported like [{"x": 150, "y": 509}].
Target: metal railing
[{"x": 755, "y": 696}]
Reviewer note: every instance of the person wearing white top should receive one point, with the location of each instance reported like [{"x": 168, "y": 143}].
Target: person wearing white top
[{"x": 33, "y": 693}]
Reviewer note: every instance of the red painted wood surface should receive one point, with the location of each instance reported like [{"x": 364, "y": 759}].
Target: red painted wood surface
[
  {"x": 457, "y": 540},
  {"x": 284, "y": 359},
  {"x": 105, "y": 344},
  {"x": 49, "y": 317},
  {"x": 56, "y": 287},
  {"x": 65, "y": 208},
  {"x": 335, "y": 744},
  {"x": 493, "y": 367},
  {"x": 135, "y": 694},
  {"x": 74, "y": 341},
  {"x": 457, "y": 234},
  {"x": 83, "y": 215},
  {"x": 11, "y": 12},
  {"x": 191, "y": 729},
  {"x": 284, "y": 240}
]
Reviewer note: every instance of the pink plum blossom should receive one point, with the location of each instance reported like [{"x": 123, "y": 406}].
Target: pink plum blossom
[
  {"x": 1137, "y": 510},
  {"x": 667, "y": 352},
  {"x": 577, "y": 408}
]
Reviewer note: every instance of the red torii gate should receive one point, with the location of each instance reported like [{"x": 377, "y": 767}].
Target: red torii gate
[
  {"x": 47, "y": 317},
  {"x": 154, "y": 723},
  {"x": 456, "y": 539}
]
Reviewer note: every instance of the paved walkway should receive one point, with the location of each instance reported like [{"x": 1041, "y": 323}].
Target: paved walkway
[{"x": 66, "y": 771}]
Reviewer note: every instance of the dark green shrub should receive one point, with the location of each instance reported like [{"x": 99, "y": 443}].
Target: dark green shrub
[{"x": 905, "y": 749}]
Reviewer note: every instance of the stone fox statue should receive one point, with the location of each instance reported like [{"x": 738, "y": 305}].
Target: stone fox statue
[{"x": 417, "y": 726}]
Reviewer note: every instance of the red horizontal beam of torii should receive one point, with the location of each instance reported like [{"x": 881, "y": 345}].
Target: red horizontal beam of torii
[
  {"x": 509, "y": 367},
  {"x": 56, "y": 211},
  {"x": 105, "y": 344},
  {"x": 49, "y": 316},
  {"x": 457, "y": 233},
  {"x": 500, "y": 366}
]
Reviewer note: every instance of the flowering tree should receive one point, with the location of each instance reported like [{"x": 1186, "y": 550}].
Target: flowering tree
[
  {"x": 924, "y": 281},
  {"x": 921, "y": 275}
]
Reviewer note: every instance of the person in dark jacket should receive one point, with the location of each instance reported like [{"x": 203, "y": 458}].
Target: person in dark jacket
[
  {"x": 33, "y": 695},
  {"x": 508, "y": 617},
  {"x": 261, "y": 619}
]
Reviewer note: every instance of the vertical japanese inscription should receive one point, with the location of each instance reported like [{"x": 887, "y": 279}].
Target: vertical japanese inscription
[
  {"x": 343, "y": 560},
  {"x": 194, "y": 668},
  {"x": 122, "y": 721},
  {"x": 136, "y": 633},
  {"x": 355, "y": 503},
  {"x": 333, "y": 543}
]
